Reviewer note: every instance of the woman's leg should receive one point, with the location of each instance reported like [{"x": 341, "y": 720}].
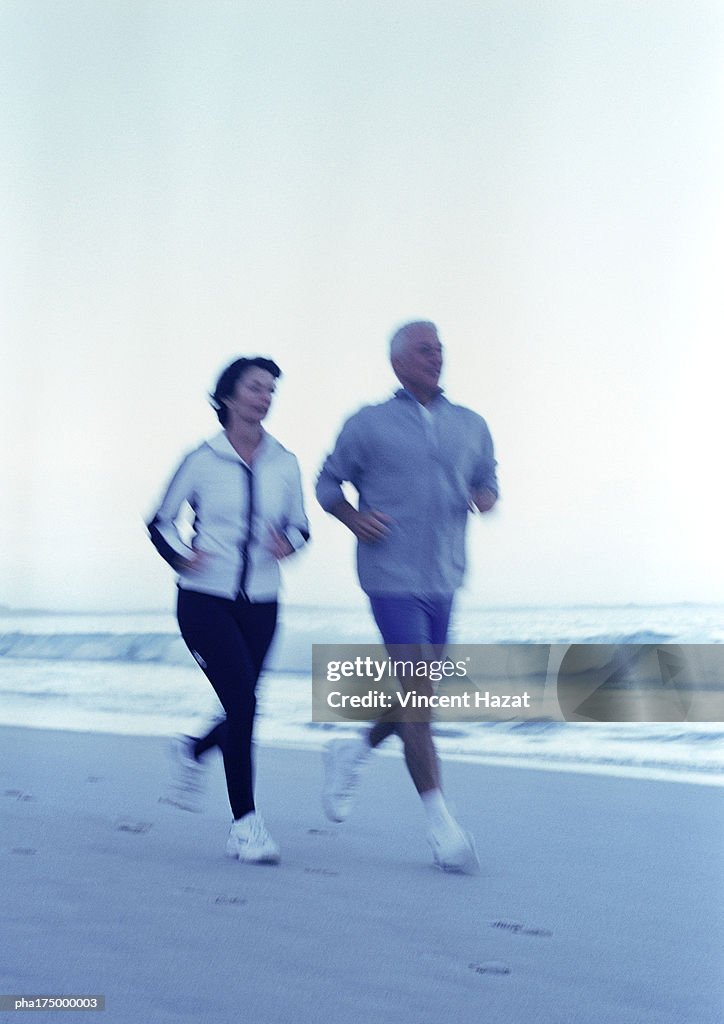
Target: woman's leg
[
  {"x": 257, "y": 623},
  {"x": 211, "y": 629}
]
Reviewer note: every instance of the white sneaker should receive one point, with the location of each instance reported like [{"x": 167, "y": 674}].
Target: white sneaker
[
  {"x": 342, "y": 766},
  {"x": 188, "y": 777},
  {"x": 250, "y": 842},
  {"x": 453, "y": 850}
]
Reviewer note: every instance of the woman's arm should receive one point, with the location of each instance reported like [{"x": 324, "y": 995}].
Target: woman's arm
[
  {"x": 162, "y": 527},
  {"x": 296, "y": 527}
]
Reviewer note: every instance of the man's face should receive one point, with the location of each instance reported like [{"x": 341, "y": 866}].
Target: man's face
[{"x": 419, "y": 364}]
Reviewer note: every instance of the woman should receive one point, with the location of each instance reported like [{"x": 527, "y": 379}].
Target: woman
[{"x": 245, "y": 492}]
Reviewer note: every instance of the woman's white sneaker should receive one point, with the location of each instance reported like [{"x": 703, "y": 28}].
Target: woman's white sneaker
[
  {"x": 250, "y": 841},
  {"x": 188, "y": 776}
]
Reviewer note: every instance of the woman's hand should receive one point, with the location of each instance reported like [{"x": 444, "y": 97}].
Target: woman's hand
[
  {"x": 196, "y": 563},
  {"x": 278, "y": 544}
]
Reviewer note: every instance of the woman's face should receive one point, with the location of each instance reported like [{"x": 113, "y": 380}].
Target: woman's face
[{"x": 252, "y": 395}]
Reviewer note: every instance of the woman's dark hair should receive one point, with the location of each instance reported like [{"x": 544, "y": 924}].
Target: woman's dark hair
[{"x": 226, "y": 384}]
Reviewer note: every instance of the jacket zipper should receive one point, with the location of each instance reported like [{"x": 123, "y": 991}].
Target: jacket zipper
[{"x": 247, "y": 539}]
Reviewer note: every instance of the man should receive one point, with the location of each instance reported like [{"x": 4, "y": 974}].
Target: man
[{"x": 419, "y": 465}]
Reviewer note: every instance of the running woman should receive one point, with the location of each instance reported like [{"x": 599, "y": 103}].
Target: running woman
[{"x": 245, "y": 494}]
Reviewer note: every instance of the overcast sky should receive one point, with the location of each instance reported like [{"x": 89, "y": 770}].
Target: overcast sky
[{"x": 184, "y": 182}]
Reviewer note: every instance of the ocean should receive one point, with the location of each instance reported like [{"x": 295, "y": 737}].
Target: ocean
[{"x": 130, "y": 673}]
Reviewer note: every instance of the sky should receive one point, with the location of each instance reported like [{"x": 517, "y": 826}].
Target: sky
[{"x": 185, "y": 182}]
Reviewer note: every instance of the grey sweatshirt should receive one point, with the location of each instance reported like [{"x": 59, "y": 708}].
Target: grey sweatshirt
[{"x": 419, "y": 465}]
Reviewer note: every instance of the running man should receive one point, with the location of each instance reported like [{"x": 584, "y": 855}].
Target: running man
[{"x": 420, "y": 465}]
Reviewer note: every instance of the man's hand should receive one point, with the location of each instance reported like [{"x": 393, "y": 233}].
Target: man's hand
[
  {"x": 369, "y": 527},
  {"x": 483, "y": 500}
]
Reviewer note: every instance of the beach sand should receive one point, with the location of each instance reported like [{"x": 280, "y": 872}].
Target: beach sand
[{"x": 599, "y": 899}]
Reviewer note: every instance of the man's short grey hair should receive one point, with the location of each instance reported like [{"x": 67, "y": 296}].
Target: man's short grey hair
[{"x": 408, "y": 331}]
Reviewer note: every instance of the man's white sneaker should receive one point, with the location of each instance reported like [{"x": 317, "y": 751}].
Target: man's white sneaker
[
  {"x": 343, "y": 760},
  {"x": 453, "y": 849},
  {"x": 187, "y": 776},
  {"x": 250, "y": 842}
]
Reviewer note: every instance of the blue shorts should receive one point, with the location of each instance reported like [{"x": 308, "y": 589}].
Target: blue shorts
[{"x": 412, "y": 619}]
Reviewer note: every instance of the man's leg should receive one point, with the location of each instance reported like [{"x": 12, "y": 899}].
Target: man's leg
[
  {"x": 344, "y": 759},
  {"x": 416, "y": 732},
  {"x": 421, "y": 620},
  {"x": 396, "y": 617},
  {"x": 415, "y": 631}
]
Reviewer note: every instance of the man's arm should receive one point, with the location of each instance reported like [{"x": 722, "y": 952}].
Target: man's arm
[
  {"x": 484, "y": 492},
  {"x": 344, "y": 464}
]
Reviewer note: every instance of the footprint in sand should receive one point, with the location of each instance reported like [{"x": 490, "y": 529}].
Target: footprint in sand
[
  {"x": 222, "y": 899},
  {"x": 520, "y": 929},
  {"x": 491, "y": 967},
  {"x": 136, "y": 827}
]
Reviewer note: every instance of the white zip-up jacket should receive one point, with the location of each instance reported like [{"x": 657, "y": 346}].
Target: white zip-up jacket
[{"x": 233, "y": 506}]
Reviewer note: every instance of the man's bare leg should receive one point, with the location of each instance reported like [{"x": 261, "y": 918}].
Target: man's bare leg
[
  {"x": 420, "y": 755},
  {"x": 419, "y": 748},
  {"x": 415, "y": 730}
]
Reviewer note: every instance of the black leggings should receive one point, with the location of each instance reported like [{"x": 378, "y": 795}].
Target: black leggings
[{"x": 229, "y": 640}]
